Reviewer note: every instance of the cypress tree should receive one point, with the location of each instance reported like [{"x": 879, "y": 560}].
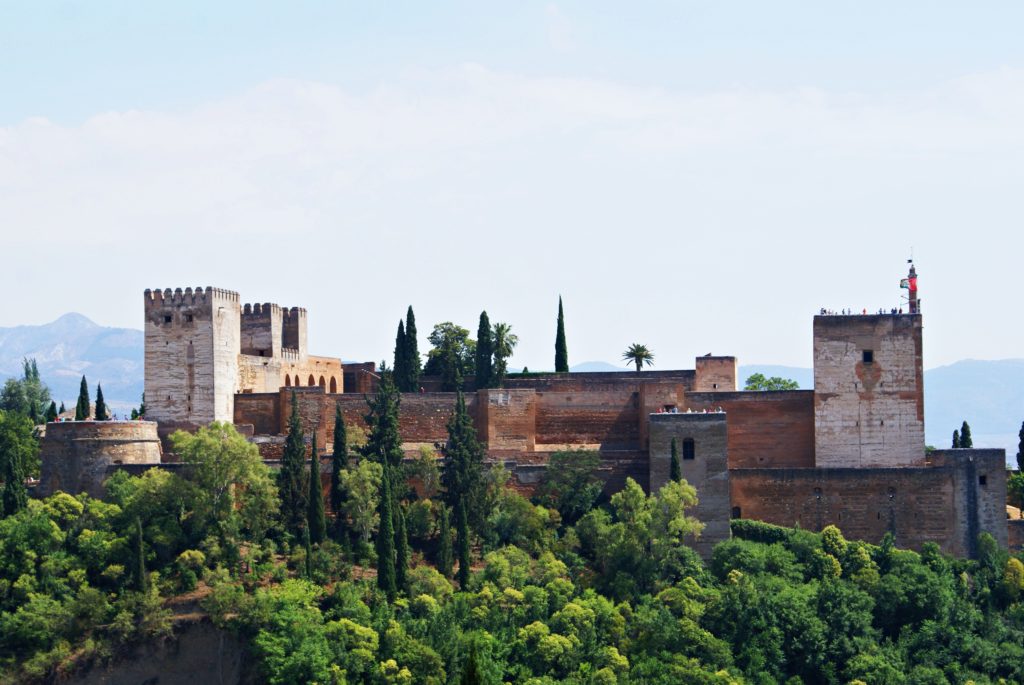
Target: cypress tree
[
  {"x": 484, "y": 353},
  {"x": 414, "y": 366},
  {"x": 956, "y": 439},
  {"x": 82, "y": 408},
  {"x": 62, "y": 409},
  {"x": 401, "y": 367},
  {"x": 384, "y": 442},
  {"x": 561, "y": 353},
  {"x": 101, "y": 406},
  {"x": 444, "y": 551},
  {"x": 401, "y": 549},
  {"x": 675, "y": 474},
  {"x": 315, "y": 519},
  {"x": 15, "y": 495},
  {"x": 1020, "y": 449},
  {"x": 140, "y": 579},
  {"x": 51, "y": 412},
  {"x": 462, "y": 524},
  {"x": 965, "y": 437},
  {"x": 339, "y": 462},
  {"x": 471, "y": 670},
  {"x": 307, "y": 545},
  {"x": 291, "y": 478},
  {"x": 386, "y": 537}
]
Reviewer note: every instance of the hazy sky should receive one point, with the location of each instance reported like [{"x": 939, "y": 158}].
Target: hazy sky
[{"x": 695, "y": 176}]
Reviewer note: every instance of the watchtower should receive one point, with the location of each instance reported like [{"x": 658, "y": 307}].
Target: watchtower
[
  {"x": 192, "y": 343},
  {"x": 869, "y": 388}
]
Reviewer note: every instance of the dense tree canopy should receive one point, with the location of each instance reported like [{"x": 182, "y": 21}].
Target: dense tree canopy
[{"x": 758, "y": 381}]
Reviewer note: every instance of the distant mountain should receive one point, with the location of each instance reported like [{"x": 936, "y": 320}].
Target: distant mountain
[{"x": 71, "y": 346}]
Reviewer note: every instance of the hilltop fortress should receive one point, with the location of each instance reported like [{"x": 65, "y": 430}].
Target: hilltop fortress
[{"x": 850, "y": 452}]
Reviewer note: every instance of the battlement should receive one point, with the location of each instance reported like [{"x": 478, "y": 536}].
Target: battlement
[
  {"x": 188, "y": 297},
  {"x": 265, "y": 310}
]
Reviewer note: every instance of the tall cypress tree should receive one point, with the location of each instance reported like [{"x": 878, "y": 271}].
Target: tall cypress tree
[
  {"x": 339, "y": 462},
  {"x": 965, "y": 437},
  {"x": 82, "y": 408},
  {"x": 484, "y": 353},
  {"x": 401, "y": 367},
  {"x": 675, "y": 473},
  {"x": 444, "y": 549},
  {"x": 471, "y": 674},
  {"x": 51, "y": 412},
  {"x": 414, "y": 366},
  {"x": 315, "y": 519},
  {"x": 384, "y": 442},
  {"x": 15, "y": 496},
  {"x": 1020, "y": 449},
  {"x": 462, "y": 526},
  {"x": 561, "y": 352},
  {"x": 401, "y": 548},
  {"x": 307, "y": 545},
  {"x": 386, "y": 537},
  {"x": 101, "y": 405},
  {"x": 139, "y": 577},
  {"x": 956, "y": 439},
  {"x": 291, "y": 483}
]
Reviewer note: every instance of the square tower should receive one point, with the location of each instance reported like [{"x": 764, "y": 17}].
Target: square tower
[
  {"x": 868, "y": 391},
  {"x": 192, "y": 343}
]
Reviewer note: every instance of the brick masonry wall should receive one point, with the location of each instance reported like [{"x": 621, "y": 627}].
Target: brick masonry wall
[
  {"x": 942, "y": 503},
  {"x": 606, "y": 418},
  {"x": 868, "y": 413},
  {"x": 766, "y": 429},
  {"x": 708, "y": 471},
  {"x": 715, "y": 374},
  {"x": 75, "y": 456}
]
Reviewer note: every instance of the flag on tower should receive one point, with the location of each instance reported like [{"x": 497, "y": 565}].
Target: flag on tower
[{"x": 905, "y": 284}]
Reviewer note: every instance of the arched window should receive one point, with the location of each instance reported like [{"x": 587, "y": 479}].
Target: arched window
[
  {"x": 334, "y": 385},
  {"x": 287, "y": 381},
  {"x": 689, "y": 451},
  {"x": 312, "y": 381},
  {"x": 323, "y": 383}
]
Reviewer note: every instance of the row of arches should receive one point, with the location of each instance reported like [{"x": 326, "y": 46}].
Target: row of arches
[{"x": 328, "y": 385}]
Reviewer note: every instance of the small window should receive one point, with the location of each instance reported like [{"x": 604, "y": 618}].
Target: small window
[
  {"x": 869, "y": 356},
  {"x": 188, "y": 318},
  {"x": 688, "y": 449},
  {"x": 737, "y": 513},
  {"x": 714, "y": 386},
  {"x": 167, "y": 318},
  {"x": 982, "y": 480}
]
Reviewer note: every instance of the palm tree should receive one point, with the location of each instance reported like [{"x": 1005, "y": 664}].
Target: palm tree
[
  {"x": 504, "y": 342},
  {"x": 638, "y": 354}
]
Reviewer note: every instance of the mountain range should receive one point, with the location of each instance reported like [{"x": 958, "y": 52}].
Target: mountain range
[{"x": 989, "y": 394}]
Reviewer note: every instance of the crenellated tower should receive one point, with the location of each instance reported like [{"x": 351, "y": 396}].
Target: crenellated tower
[{"x": 192, "y": 343}]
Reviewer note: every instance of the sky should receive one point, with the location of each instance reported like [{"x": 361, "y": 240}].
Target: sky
[{"x": 693, "y": 176}]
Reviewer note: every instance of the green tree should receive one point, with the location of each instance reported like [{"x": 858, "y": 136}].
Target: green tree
[
  {"x": 401, "y": 366},
  {"x": 462, "y": 532},
  {"x": 956, "y": 439},
  {"x": 315, "y": 519},
  {"x": 51, "y": 413},
  {"x": 101, "y": 405},
  {"x": 414, "y": 366},
  {"x": 361, "y": 485},
  {"x": 339, "y": 463},
  {"x": 401, "y": 548},
  {"x": 291, "y": 482},
  {"x": 453, "y": 355},
  {"x": 139, "y": 576},
  {"x": 484, "y": 353},
  {"x": 561, "y": 351},
  {"x": 82, "y": 409},
  {"x": 384, "y": 443},
  {"x": 675, "y": 474},
  {"x": 461, "y": 478},
  {"x": 386, "y": 575},
  {"x": 19, "y": 451},
  {"x": 638, "y": 355},
  {"x": 965, "y": 437},
  {"x": 444, "y": 548},
  {"x": 231, "y": 491},
  {"x": 471, "y": 674},
  {"x": 28, "y": 395},
  {"x": 570, "y": 483},
  {"x": 505, "y": 342},
  {"x": 758, "y": 381},
  {"x": 1020, "y": 449}
]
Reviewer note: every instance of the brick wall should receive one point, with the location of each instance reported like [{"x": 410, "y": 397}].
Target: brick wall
[
  {"x": 766, "y": 429},
  {"x": 606, "y": 418}
]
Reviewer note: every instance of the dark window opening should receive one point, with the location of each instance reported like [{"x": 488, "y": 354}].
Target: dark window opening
[
  {"x": 982, "y": 480},
  {"x": 714, "y": 386},
  {"x": 167, "y": 318},
  {"x": 188, "y": 318},
  {"x": 689, "y": 451},
  {"x": 737, "y": 513},
  {"x": 869, "y": 356}
]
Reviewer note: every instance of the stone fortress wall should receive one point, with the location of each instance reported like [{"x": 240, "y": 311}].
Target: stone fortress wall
[{"x": 850, "y": 452}]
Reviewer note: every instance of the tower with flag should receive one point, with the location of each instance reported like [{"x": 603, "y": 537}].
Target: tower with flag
[{"x": 910, "y": 284}]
